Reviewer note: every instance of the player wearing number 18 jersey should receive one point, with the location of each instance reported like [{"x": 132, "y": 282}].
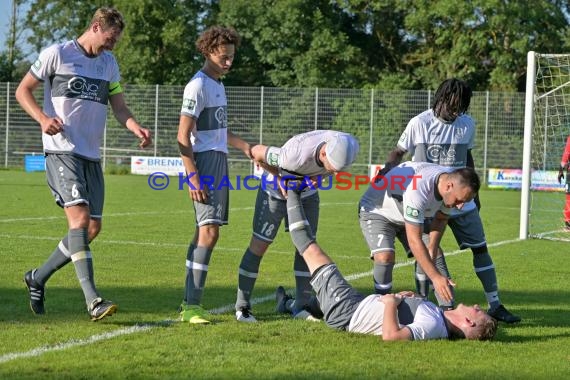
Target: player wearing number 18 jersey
[{"x": 315, "y": 153}]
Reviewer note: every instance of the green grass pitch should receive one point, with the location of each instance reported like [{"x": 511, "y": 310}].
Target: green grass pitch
[{"x": 139, "y": 263}]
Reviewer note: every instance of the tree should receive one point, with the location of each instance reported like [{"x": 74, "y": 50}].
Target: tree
[
  {"x": 383, "y": 44},
  {"x": 482, "y": 41},
  {"x": 157, "y": 45},
  {"x": 12, "y": 64},
  {"x": 295, "y": 43}
]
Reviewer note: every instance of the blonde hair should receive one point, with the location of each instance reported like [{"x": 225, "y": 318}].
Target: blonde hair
[
  {"x": 108, "y": 18},
  {"x": 485, "y": 329}
]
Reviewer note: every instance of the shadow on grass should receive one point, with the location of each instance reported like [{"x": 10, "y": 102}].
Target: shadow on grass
[{"x": 158, "y": 305}]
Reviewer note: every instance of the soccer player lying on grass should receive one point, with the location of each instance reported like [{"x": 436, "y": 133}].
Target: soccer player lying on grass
[{"x": 399, "y": 316}]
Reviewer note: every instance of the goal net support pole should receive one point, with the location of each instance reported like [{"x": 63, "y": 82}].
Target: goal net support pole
[{"x": 527, "y": 145}]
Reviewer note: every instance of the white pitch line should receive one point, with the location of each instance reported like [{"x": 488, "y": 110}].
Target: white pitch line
[
  {"x": 120, "y": 214},
  {"x": 74, "y": 343},
  {"x": 128, "y": 242},
  {"x": 411, "y": 262},
  {"x": 147, "y": 327}
]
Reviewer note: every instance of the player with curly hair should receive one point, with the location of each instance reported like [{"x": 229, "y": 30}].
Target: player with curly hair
[{"x": 203, "y": 138}]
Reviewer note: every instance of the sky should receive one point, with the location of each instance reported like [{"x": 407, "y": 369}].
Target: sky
[
  {"x": 5, "y": 14},
  {"x": 5, "y": 11}
]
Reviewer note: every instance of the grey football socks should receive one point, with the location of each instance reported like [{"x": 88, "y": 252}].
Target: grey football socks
[
  {"x": 197, "y": 272},
  {"x": 247, "y": 275},
  {"x": 382, "y": 274},
  {"x": 485, "y": 270},
  {"x": 302, "y": 237},
  {"x": 83, "y": 262},
  {"x": 59, "y": 258},
  {"x": 304, "y": 291}
]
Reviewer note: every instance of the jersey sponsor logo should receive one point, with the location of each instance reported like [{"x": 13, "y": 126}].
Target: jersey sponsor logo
[
  {"x": 85, "y": 88},
  {"x": 37, "y": 65},
  {"x": 79, "y": 85},
  {"x": 189, "y": 104},
  {"x": 403, "y": 137},
  {"x": 413, "y": 212},
  {"x": 221, "y": 117},
  {"x": 273, "y": 159},
  {"x": 438, "y": 153}
]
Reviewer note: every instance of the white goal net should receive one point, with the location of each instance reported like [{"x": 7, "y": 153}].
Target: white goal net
[{"x": 547, "y": 125}]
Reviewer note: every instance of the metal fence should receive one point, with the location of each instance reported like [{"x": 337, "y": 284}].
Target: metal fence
[{"x": 272, "y": 115}]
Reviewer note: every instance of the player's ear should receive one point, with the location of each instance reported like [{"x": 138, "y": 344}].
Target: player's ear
[
  {"x": 469, "y": 322},
  {"x": 450, "y": 185},
  {"x": 323, "y": 151}
]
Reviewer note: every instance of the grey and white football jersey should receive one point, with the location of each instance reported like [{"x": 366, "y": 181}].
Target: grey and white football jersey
[
  {"x": 429, "y": 139},
  {"x": 76, "y": 89},
  {"x": 205, "y": 101},
  {"x": 407, "y": 193}
]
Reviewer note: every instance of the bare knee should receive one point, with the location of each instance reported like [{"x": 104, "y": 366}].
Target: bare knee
[
  {"x": 208, "y": 235},
  {"x": 94, "y": 228},
  {"x": 258, "y": 247},
  {"x": 384, "y": 257}
]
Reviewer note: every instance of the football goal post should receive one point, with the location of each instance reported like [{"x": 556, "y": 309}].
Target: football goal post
[{"x": 546, "y": 127}]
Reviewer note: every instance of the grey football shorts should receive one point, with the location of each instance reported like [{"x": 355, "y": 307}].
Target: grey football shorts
[
  {"x": 213, "y": 170},
  {"x": 380, "y": 233},
  {"x": 337, "y": 298},
  {"x": 270, "y": 211},
  {"x": 468, "y": 229},
  {"x": 74, "y": 180}
]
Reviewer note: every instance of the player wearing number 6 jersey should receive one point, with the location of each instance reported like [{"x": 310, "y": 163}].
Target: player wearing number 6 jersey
[
  {"x": 315, "y": 153},
  {"x": 80, "y": 77}
]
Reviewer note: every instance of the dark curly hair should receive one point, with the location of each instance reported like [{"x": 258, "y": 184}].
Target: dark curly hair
[
  {"x": 452, "y": 99},
  {"x": 215, "y": 36}
]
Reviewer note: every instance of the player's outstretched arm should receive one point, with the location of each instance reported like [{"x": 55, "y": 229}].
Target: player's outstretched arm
[
  {"x": 239, "y": 143},
  {"x": 440, "y": 283}
]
